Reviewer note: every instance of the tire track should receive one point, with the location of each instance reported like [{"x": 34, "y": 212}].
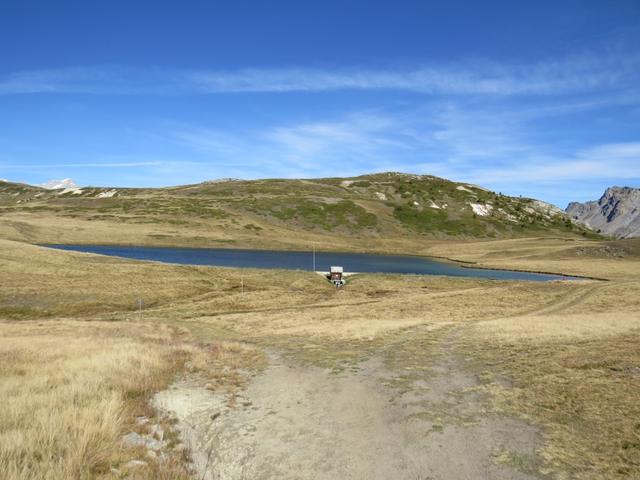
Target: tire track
[{"x": 570, "y": 300}]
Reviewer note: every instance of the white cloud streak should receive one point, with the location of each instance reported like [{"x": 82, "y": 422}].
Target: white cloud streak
[
  {"x": 478, "y": 137},
  {"x": 353, "y": 144},
  {"x": 484, "y": 149},
  {"x": 574, "y": 75},
  {"x": 134, "y": 164}
]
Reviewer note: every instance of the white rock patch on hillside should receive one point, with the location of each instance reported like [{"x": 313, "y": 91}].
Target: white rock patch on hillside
[
  {"x": 507, "y": 216},
  {"x": 482, "y": 210},
  {"x": 108, "y": 194},
  {"x": 463, "y": 189},
  {"x": 381, "y": 196},
  {"x": 478, "y": 187},
  {"x": 73, "y": 191},
  {"x": 547, "y": 208}
]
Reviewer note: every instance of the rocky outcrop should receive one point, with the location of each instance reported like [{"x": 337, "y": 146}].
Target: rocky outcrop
[{"x": 617, "y": 213}]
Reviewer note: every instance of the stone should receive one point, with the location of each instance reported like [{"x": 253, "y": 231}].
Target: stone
[
  {"x": 136, "y": 440},
  {"x": 617, "y": 212}
]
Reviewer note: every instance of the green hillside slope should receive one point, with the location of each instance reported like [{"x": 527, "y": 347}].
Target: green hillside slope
[{"x": 386, "y": 206}]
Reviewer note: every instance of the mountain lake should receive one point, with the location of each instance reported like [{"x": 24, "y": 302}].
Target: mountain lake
[{"x": 296, "y": 260}]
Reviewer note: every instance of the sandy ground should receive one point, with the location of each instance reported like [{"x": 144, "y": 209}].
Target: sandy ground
[{"x": 304, "y": 422}]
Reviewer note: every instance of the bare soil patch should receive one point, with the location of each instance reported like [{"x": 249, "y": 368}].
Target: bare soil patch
[{"x": 300, "y": 421}]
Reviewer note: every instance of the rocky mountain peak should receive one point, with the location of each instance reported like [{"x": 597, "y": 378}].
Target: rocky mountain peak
[{"x": 616, "y": 213}]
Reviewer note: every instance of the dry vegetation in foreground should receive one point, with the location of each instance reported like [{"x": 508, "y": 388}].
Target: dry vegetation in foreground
[
  {"x": 563, "y": 354},
  {"x": 71, "y": 389},
  {"x": 575, "y": 370},
  {"x": 584, "y": 393}
]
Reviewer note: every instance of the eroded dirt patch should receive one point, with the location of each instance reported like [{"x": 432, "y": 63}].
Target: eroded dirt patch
[{"x": 295, "y": 421}]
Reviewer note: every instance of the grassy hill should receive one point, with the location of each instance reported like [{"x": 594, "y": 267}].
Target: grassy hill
[{"x": 361, "y": 212}]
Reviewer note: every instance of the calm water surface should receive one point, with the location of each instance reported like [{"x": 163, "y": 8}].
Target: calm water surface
[{"x": 352, "y": 262}]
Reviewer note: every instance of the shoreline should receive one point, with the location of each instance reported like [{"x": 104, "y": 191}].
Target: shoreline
[{"x": 460, "y": 263}]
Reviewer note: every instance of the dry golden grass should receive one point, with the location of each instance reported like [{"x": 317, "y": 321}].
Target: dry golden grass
[
  {"x": 574, "y": 368},
  {"x": 559, "y": 327},
  {"x": 51, "y": 227},
  {"x": 554, "y": 255},
  {"x": 45, "y": 282},
  {"x": 582, "y": 390},
  {"x": 592, "y": 310},
  {"x": 38, "y": 282},
  {"x": 43, "y": 228},
  {"x": 372, "y": 307},
  {"x": 71, "y": 389},
  {"x": 568, "y": 350}
]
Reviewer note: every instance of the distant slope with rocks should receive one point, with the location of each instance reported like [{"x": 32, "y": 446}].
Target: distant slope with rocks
[
  {"x": 384, "y": 210},
  {"x": 617, "y": 213}
]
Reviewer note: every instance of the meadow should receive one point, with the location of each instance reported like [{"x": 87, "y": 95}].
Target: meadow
[{"x": 80, "y": 361}]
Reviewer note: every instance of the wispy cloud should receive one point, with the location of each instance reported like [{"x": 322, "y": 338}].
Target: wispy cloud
[
  {"x": 573, "y": 75},
  {"x": 357, "y": 142},
  {"x": 367, "y": 135},
  {"x": 133, "y": 164},
  {"x": 97, "y": 80},
  {"x": 493, "y": 148},
  {"x": 471, "y": 128},
  {"x": 582, "y": 175},
  {"x": 586, "y": 165},
  {"x": 502, "y": 150},
  {"x": 507, "y": 149},
  {"x": 480, "y": 77}
]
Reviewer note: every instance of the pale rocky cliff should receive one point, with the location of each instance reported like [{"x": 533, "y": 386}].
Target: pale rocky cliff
[{"x": 617, "y": 213}]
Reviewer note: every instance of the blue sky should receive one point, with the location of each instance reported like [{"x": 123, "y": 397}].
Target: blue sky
[{"x": 538, "y": 98}]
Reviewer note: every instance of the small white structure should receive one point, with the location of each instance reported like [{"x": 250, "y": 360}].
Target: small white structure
[{"x": 335, "y": 276}]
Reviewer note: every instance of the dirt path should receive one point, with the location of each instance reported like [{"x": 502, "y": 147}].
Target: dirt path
[{"x": 302, "y": 422}]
